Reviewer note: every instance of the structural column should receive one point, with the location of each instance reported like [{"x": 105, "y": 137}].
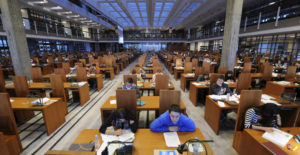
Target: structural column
[
  {"x": 16, "y": 37},
  {"x": 231, "y": 32}
]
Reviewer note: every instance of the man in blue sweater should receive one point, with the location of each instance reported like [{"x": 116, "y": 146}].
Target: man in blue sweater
[{"x": 172, "y": 120}]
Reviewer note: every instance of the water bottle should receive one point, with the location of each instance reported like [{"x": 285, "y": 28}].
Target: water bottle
[
  {"x": 96, "y": 142},
  {"x": 196, "y": 147}
]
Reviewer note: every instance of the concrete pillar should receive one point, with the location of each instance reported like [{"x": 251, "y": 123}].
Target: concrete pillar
[
  {"x": 13, "y": 25},
  {"x": 231, "y": 32}
]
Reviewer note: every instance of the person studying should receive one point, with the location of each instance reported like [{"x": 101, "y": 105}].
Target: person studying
[{"x": 172, "y": 120}]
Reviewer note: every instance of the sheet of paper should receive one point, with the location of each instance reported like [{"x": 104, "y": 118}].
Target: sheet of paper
[
  {"x": 221, "y": 104},
  {"x": 267, "y": 97},
  {"x": 218, "y": 97},
  {"x": 197, "y": 84},
  {"x": 113, "y": 101},
  {"x": 11, "y": 100},
  {"x": 171, "y": 139},
  {"x": 278, "y": 137},
  {"x": 43, "y": 100},
  {"x": 126, "y": 137},
  {"x": 81, "y": 83},
  {"x": 265, "y": 101}
]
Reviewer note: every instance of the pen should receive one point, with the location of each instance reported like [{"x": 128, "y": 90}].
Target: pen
[{"x": 295, "y": 148}]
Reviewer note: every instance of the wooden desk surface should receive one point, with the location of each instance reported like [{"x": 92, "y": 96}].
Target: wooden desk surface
[
  {"x": 21, "y": 103},
  {"x": 47, "y": 76},
  {"x": 145, "y": 140},
  {"x": 291, "y": 85},
  {"x": 230, "y": 85},
  {"x": 147, "y": 85},
  {"x": 257, "y": 135},
  {"x": 152, "y": 103},
  {"x": 41, "y": 85}
]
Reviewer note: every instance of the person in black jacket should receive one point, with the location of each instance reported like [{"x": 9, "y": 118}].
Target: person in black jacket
[
  {"x": 120, "y": 120},
  {"x": 229, "y": 76},
  {"x": 220, "y": 88}
]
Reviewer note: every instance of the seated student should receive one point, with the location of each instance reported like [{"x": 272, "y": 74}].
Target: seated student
[
  {"x": 220, "y": 88},
  {"x": 229, "y": 76},
  {"x": 129, "y": 84},
  {"x": 172, "y": 120},
  {"x": 203, "y": 78},
  {"x": 139, "y": 77},
  {"x": 92, "y": 81},
  {"x": 154, "y": 75},
  {"x": 264, "y": 118},
  {"x": 119, "y": 121}
]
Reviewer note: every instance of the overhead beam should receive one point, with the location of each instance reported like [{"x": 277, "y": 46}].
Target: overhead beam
[
  {"x": 123, "y": 6},
  {"x": 150, "y": 12},
  {"x": 177, "y": 8}
]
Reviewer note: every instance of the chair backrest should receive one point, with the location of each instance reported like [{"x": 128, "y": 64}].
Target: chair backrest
[
  {"x": 274, "y": 89},
  {"x": 79, "y": 64},
  {"x": 187, "y": 59},
  {"x": 247, "y": 59},
  {"x": 161, "y": 83},
  {"x": 247, "y": 67},
  {"x": 2, "y": 81},
  {"x": 57, "y": 86},
  {"x": 290, "y": 73},
  {"x": 188, "y": 67},
  {"x": 61, "y": 72},
  {"x": 244, "y": 81},
  {"x": 36, "y": 74},
  {"x": 126, "y": 98},
  {"x": 178, "y": 62},
  {"x": 4, "y": 149},
  {"x": 213, "y": 79},
  {"x": 267, "y": 72},
  {"x": 167, "y": 98},
  {"x": 134, "y": 78},
  {"x": 7, "y": 118},
  {"x": 199, "y": 71},
  {"x": 83, "y": 61},
  {"x": 206, "y": 67},
  {"x": 81, "y": 74},
  {"x": 66, "y": 67},
  {"x": 248, "y": 99},
  {"x": 195, "y": 63},
  {"x": 222, "y": 69},
  {"x": 21, "y": 86}
]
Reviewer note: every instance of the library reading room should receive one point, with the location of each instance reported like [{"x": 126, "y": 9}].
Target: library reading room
[{"x": 150, "y": 77}]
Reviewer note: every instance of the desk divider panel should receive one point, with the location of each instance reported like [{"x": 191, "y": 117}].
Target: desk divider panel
[
  {"x": 36, "y": 74},
  {"x": 134, "y": 78},
  {"x": 161, "y": 83},
  {"x": 167, "y": 98},
  {"x": 126, "y": 99}
]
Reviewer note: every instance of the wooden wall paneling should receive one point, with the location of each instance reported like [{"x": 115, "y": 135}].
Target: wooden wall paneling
[
  {"x": 167, "y": 98},
  {"x": 126, "y": 99},
  {"x": 36, "y": 74},
  {"x": 161, "y": 83}
]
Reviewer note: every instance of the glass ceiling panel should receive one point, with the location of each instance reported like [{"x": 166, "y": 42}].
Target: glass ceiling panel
[{"x": 185, "y": 13}]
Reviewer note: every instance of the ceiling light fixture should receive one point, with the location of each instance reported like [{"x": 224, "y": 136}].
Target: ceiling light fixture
[
  {"x": 56, "y": 8},
  {"x": 271, "y": 3}
]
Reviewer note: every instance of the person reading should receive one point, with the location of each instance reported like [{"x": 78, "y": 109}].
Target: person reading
[
  {"x": 229, "y": 77},
  {"x": 129, "y": 84},
  {"x": 172, "y": 120},
  {"x": 263, "y": 118},
  {"x": 119, "y": 121},
  {"x": 220, "y": 88},
  {"x": 154, "y": 75}
]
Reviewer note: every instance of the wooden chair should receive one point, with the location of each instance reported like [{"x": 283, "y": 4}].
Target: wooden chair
[
  {"x": 36, "y": 74},
  {"x": 134, "y": 78},
  {"x": 61, "y": 72},
  {"x": 187, "y": 59},
  {"x": 290, "y": 73},
  {"x": 222, "y": 69},
  {"x": 58, "y": 90},
  {"x": 9, "y": 136},
  {"x": 199, "y": 71},
  {"x": 273, "y": 89},
  {"x": 213, "y": 79},
  {"x": 188, "y": 67},
  {"x": 247, "y": 59},
  {"x": 2, "y": 81},
  {"x": 83, "y": 61},
  {"x": 161, "y": 83},
  {"x": 244, "y": 82},
  {"x": 155, "y": 69},
  {"x": 81, "y": 74},
  {"x": 178, "y": 62},
  {"x": 79, "y": 64},
  {"x": 247, "y": 67},
  {"x": 167, "y": 98},
  {"x": 66, "y": 67},
  {"x": 267, "y": 72},
  {"x": 249, "y": 99},
  {"x": 206, "y": 67},
  {"x": 126, "y": 99},
  {"x": 195, "y": 63}
]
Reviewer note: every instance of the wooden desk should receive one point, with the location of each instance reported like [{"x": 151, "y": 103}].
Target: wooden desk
[
  {"x": 145, "y": 141},
  {"x": 63, "y": 152},
  {"x": 110, "y": 70},
  {"x": 98, "y": 77},
  {"x": 178, "y": 70},
  {"x": 184, "y": 79},
  {"x": 277, "y": 89},
  {"x": 84, "y": 91},
  {"x": 195, "y": 88},
  {"x": 53, "y": 114},
  {"x": 148, "y": 76},
  {"x": 148, "y": 69},
  {"x": 253, "y": 138},
  {"x": 152, "y": 103},
  {"x": 147, "y": 86},
  {"x": 213, "y": 111}
]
